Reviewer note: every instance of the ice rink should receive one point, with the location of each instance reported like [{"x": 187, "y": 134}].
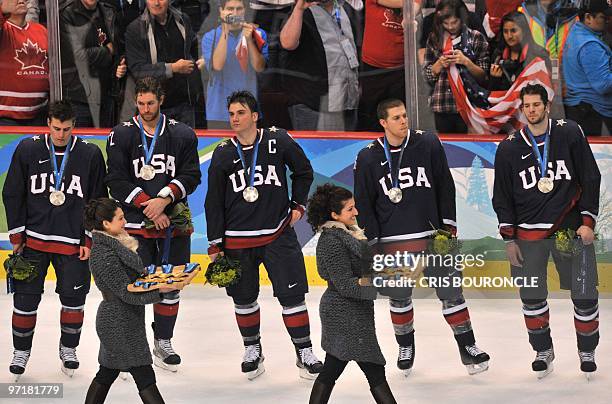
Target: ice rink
[{"x": 207, "y": 338}]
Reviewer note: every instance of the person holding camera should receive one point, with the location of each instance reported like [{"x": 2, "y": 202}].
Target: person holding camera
[
  {"x": 120, "y": 321},
  {"x": 515, "y": 52},
  {"x": 235, "y": 52}
]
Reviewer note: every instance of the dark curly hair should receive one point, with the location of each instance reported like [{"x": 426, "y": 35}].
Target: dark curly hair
[
  {"x": 326, "y": 199},
  {"x": 97, "y": 211}
]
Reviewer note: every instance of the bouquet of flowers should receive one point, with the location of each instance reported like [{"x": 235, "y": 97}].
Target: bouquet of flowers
[{"x": 223, "y": 272}]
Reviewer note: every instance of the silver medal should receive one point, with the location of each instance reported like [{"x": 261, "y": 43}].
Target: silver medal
[
  {"x": 395, "y": 194},
  {"x": 250, "y": 194},
  {"x": 57, "y": 198},
  {"x": 545, "y": 185},
  {"x": 147, "y": 172}
]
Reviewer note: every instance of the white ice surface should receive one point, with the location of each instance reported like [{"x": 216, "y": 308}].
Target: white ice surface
[{"x": 207, "y": 338}]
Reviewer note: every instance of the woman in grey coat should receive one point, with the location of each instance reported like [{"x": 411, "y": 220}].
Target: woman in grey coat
[
  {"x": 346, "y": 308},
  {"x": 120, "y": 322}
]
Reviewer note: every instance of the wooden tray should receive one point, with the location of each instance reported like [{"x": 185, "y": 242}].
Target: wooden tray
[{"x": 176, "y": 276}]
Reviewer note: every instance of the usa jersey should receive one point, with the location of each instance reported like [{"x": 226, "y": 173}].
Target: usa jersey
[
  {"x": 428, "y": 190},
  {"x": 526, "y": 213},
  {"x": 175, "y": 160},
  {"x": 234, "y": 223},
  {"x": 30, "y": 215}
]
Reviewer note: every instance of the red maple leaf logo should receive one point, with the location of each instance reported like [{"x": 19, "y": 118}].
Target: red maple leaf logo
[{"x": 31, "y": 56}]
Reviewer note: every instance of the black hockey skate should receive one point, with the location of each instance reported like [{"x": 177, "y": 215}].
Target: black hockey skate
[
  {"x": 69, "y": 359},
  {"x": 475, "y": 359},
  {"x": 309, "y": 365},
  {"x": 542, "y": 364},
  {"x": 587, "y": 363},
  {"x": 405, "y": 359},
  {"x": 252, "y": 362},
  {"x": 18, "y": 364}
]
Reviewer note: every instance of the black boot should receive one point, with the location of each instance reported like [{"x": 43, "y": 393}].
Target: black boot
[
  {"x": 320, "y": 393},
  {"x": 97, "y": 393},
  {"x": 382, "y": 394},
  {"x": 151, "y": 395}
]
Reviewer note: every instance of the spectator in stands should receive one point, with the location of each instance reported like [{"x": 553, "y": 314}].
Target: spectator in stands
[
  {"x": 452, "y": 42},
  {"x": 24, "y": 67},
  {"x": 322, "y": 81},
  {"x": 87, "y": 29},
  {"x": 516, "y": 51},
  {"x": 235, "y": 52},
  {"x": 162, "y": 44},
  {"x": 382, "y": 73},
  {"x": 33, "y": 11},
  {"x": 196, "y": 10},
  {"x": 587, "y": 69}
]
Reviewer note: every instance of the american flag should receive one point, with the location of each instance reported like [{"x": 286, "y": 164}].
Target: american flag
[{"x": 505, "y": 105}]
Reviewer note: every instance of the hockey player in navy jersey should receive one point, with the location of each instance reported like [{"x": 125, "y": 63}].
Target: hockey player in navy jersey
[
  {"x": 250, "y": 217},
  {"x": 50, "y": 180},
  {"x": 404, "y": 191},
  {"x": 153, "y": 164},
  {"x": 531, "y": 207}
]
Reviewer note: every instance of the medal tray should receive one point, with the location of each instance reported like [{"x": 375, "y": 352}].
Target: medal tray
[{"x": 157, "y": 279}]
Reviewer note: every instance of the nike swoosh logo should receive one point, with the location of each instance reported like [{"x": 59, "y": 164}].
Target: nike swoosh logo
[
  {"x": 383, "y": 163},
  {"x": 78, "y": 287},
  {"x": 42, "y": 161},
  {"x": 292, "y": 285},
  {"x": 525, "y": 156},
  {"x": 236, "y": 161}
]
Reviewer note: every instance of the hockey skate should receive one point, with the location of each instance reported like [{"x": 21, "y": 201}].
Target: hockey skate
[
  {"x": 18, "y": 364},
  {"x": 542, "y": 364},
  {"x": 69, "y": 359},
  {"x": 475, "y": 359},
  {"x": 164, "y": 355},
  {"x": 405, "y": 359},
  {"x": 309, "y": 365},
  {"x": 587, "y": 363},
  {"x": 252, "y": 362}
]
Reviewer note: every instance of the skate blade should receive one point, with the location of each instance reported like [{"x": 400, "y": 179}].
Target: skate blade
[
  {"x": 407, "y": 372},
  {"x": 163, "y": 365},
  {"x": 543, "y": 373},
  {"x": 255, "y": 373},
  {"x": 477, "y": 368},
  {"x": 16, "y": 377},
  {"x": 67, "y": 372},
  {"x": 305, "y": 374},
  {"x": 123, "y": 375},
  {"x": 589, "y": 376}
]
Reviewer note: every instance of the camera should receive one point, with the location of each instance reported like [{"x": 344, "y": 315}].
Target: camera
[{"x": 234, "y": 19}]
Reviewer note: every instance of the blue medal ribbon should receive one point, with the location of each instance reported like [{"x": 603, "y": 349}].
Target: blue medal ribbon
[
  {"x": 542, "y": 159},
  {"x": 253, "y": 160},
  {"x": 395, "y": 180},
  {"x": 148, "y": 151},
  {"x": 59, "y": 175}
]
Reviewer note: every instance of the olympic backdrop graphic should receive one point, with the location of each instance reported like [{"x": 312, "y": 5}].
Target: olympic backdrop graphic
[{"x": 471, "y": 164}]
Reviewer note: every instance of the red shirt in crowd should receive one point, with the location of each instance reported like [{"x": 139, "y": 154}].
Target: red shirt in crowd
[
  {"x": 383, "y": 39},
  {"x": 24, "y": 70}
]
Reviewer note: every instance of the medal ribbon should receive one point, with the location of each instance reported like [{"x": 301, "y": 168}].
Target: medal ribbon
[
  {"x": 148, "y": 151},
  {"x": 395, "y": 181},
  {"x": 58, "y": 175},
  {"x": 253, "y": 160},
  {"x": 542, "y": 160}
]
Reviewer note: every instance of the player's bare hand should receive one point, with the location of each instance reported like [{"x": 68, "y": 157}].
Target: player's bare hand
[
  {"x": 514, "y": 254},
  {"x": 84, "y": 253},
  {"x": 213, "y": 257},
  {"x": 586, "y": 234},
  {"x": 18, "y": 248},
  {"x": 161, "y": 222},
  {"x": 155, "y": 207},
  {"x": 295, "y": 216}
]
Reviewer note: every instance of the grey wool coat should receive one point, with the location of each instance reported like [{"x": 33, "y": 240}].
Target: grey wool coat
[
  {"x": 347, "y": 309},
  {"x": 120, "y": 322}
]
